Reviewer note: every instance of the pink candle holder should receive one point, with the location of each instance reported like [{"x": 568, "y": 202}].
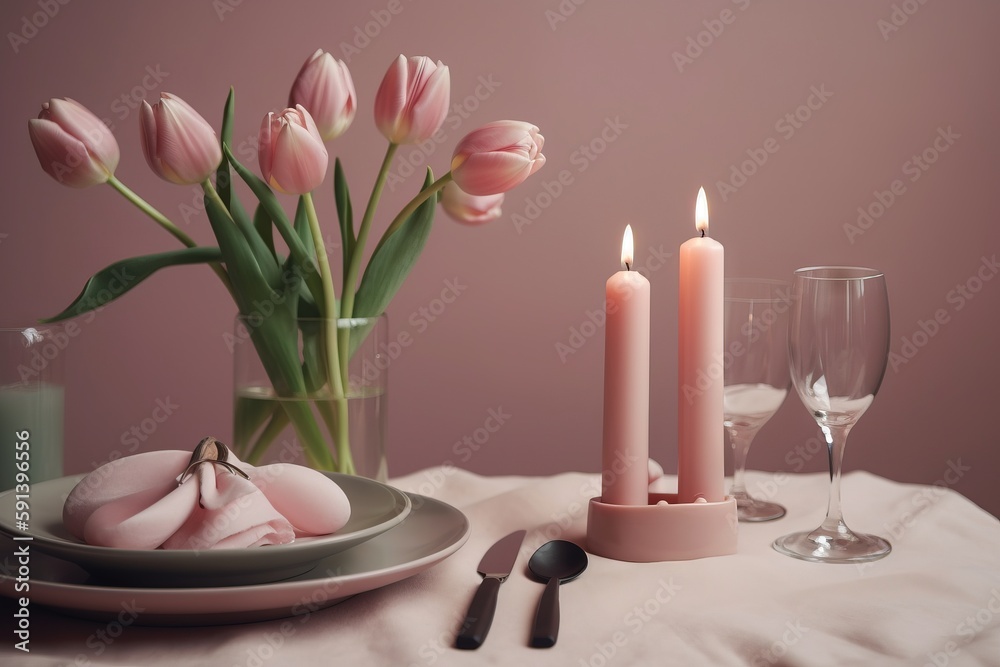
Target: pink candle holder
[{"x": 662, "y": 530}]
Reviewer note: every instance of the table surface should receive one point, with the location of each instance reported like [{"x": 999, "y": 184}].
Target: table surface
[{"x": 935, "y": 600}]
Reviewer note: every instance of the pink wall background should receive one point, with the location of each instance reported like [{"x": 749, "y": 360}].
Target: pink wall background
[{"x": 605, "y": 71}]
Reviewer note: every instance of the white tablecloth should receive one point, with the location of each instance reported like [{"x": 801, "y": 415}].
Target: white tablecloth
[{"x": 935, "y": 600}]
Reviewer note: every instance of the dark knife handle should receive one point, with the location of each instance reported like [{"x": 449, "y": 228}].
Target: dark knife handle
[
  {"x": 546, "y": 629},
  {"x": 480, "y": 615}
]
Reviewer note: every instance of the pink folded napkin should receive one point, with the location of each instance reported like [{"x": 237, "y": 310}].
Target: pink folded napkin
[{"x": 136, "y": 503}]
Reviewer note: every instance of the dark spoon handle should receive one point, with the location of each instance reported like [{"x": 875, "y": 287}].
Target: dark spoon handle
[{"x": 546, "y": 629}]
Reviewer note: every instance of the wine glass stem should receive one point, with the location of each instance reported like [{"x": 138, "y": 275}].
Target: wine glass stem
[
  {"x": 836, "y": 439},
  {"x": 741, "y": 437}
]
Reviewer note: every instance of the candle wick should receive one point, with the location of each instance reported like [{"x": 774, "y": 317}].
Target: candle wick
[
  {"x": 627, "y": 267},
  {"x": 703, "y": 233}
]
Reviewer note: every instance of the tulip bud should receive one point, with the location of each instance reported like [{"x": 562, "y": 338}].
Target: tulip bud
[
  {"x": 180, "y": 146},
  {"x": 497, "y": 157},
  {"x": 325, "y": 88},
  {"x": 72, "y": 144},
  {"x": 412, "y": 100},
  {"x": 470, "y": 209},
  {"x": 292, "y": 156}
]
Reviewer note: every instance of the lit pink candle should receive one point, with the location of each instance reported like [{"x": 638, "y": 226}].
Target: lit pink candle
[
  {"x": 625, "y": 471},
  {"x": 700, "y": 373}
]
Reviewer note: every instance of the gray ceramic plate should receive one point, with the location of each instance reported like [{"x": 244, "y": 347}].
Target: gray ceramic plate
[
  {"x": 432, "y": 532},
  {"x": 375, "y": 508}
]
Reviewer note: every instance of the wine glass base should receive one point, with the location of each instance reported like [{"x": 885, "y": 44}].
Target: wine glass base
[
  {"x": 753, "y": 510},
  {"x": 820, "y": 546}
]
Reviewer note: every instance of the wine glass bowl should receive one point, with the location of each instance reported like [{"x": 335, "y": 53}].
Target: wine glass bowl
[
  {"x": 756, "y": 375},
  {"x": 838, "y": 346}
]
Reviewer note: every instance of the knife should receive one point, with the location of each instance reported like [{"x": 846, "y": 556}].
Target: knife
[{"x": 495, "y": 568}]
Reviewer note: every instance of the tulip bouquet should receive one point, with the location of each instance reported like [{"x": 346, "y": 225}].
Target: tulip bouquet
[{"x": 78, "y": 150}]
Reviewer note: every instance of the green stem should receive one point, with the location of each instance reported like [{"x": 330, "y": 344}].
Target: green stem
[
  {"x": 354, "y": 265},
  {"x": 165, "y": 222},
  {"x": 336, "y": 380},
  {"x": 343, "y": 434},
  {"x": 408, "y": 210},
  {"x": 329, "y": 300},
  {"x": 353, "y": 268},
  {"x": 275, "y": 425}
]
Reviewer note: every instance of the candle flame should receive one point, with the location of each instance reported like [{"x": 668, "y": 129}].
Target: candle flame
[
  {"x": 627, "y": 248},
  {"x": 701, "y": 212}
]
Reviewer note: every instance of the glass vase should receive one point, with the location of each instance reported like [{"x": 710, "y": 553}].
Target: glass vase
[
  {"x": 338, "y": 426},
  {"x": 31, "y": 404}
]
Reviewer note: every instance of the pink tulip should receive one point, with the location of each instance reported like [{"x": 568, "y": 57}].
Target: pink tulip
[
  {"x": 325, "y": 88},
  {"x": 497, "y": 156},
  {"x": 470, "y": 209},
  {"x": 412, "y": 100},
  {"x": 180, "y": 146},
  {"x": 72, "y": 144},
  {"x": 292, "y": 156}
]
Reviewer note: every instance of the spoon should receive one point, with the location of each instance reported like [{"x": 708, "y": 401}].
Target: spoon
[{"x": 556, "y": 562}]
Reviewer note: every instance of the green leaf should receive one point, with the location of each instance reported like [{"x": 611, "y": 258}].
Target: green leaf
[
  {"x": 313, "y": 354},
  {"x": 274, "y": 332},
  {"x": 261, "y": 252},
  {"x": 249, "y": 284},
  {"x": 345, "y": 214},
  {"x": 270, "y": 203},
  {"x": 301, "y": 227},
  {"x": 223, "y": 178},
  {"x": 115, "y": 280},
  {"x": 262, "y": 223},
  {"x": 392, "y": 262}
]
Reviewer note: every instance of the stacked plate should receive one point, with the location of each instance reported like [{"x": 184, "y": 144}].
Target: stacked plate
[{"x": 391, "y": 536}]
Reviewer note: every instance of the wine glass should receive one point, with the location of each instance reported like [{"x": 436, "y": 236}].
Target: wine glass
[
  {"x": 756, "y": 375},
  {"x": 838, "y": 345}
]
